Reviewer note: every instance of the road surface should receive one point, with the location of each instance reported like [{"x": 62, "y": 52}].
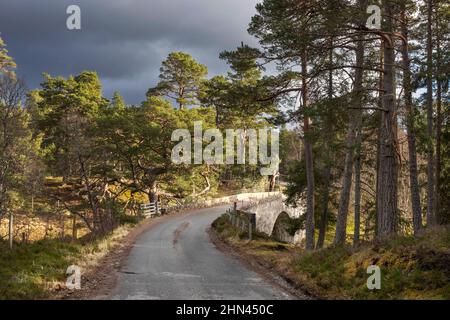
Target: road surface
[{"x": 176, "y": 260}]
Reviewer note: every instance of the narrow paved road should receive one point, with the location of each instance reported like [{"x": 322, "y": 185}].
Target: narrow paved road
[{"x": 176, "y": 260}]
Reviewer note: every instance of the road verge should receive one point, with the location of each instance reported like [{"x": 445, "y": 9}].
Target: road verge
[
  {"x": 231, "y": 243},
  {"x": 411, "y": 267}
]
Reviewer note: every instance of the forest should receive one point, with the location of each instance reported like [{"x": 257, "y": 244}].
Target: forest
[{"x": 363, "y": 116}]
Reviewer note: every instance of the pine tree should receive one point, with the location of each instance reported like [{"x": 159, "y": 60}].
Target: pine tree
[
  {"x": 7, "y": 64},
  {"x": 181, "y": 79}
]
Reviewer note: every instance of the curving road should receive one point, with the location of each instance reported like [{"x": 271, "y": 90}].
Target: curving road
[{"x": 176, "y": 260}]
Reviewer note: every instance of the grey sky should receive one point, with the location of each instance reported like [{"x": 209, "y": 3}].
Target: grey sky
[{"x": 123, "y": 40}]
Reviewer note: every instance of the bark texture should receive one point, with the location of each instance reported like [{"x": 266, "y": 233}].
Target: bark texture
[
  {"x": 411, "y": 132},
  {"x": 388, "y": 162}
]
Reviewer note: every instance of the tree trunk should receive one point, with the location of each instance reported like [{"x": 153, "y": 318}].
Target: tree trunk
[
  {"x": 411, "y": 131},
  {"x": 379, "y": 114},
  {"x": 387, "y": 171},
  {"x": 359, "y": 124},
  {"x": 356, "y": 235},
  {"x": 430, "y": 152},
  {"x": 63, "y": 226},
  {"x": 351, "y": 140},
  {"x": 32, "y": 199},
  {"x": 439, "y": 119},
  {"x": 74, "y": 228},
  {"x": 91, "y": 198},
  {"x": 11, "y": 229},
  {"x": 328, "y": 141},
  {"x": 2, "y": 197},
  {"x": 153, "y": 193},
  {"x": 326, "y": 200},
  {"x": 308, "y": 159},
  {"x": 341, "y": 223},
  {"x": 272, "y": 182},
  {"x": 47, "y": 226},
  {"x": 437, "y": 206}
]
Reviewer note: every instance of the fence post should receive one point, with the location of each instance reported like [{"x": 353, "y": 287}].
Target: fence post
[
  {"x": 11, "y": 227},
  {"x": 251, "y": 225},
  {"x": 74, "y": 228}
]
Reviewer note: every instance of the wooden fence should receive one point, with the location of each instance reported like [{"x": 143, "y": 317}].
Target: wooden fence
[{"x": 150, "y": 209}]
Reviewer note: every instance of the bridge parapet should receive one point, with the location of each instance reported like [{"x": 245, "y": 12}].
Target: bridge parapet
[{"x": 269, "y": 210}]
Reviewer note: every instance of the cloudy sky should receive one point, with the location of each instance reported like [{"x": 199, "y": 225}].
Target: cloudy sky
[{"x": 123, "y": 40}]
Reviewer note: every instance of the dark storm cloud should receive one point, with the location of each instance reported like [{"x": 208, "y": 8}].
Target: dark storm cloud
[{"x": 123, "y": 40}]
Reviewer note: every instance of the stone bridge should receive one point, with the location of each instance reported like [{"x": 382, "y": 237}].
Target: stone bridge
[{"x": 274, "y": 217}]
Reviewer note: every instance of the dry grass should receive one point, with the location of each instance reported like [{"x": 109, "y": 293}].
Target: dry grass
[{"x": 37, "y": 270}]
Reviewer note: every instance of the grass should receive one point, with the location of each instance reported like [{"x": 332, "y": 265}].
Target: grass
[
  {"x": 411, "y": 267},
  {"x": 35, "y": 271}
]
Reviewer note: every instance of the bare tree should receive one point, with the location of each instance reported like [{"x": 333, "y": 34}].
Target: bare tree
[{"x": 12, "y": 130}]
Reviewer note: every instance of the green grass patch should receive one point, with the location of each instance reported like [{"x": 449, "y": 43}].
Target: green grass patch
[
  {"x": 411, "y": 268},
  {"x": 223, "y": 226},
  {"x": 34, "y": 271}
]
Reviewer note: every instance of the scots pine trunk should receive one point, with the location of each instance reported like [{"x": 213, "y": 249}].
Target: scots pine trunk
[
  {"x": 387, "y": 170},
  {"x": 379, "y": 115},
  {"x": 359, "y": 120},
  {"x": 324, "y": 217},
  {"x": 439, "y": 119},
  {"x": 153, "y": 192},
  {"x": 411, "y": 131},
  {"x": 327, "y": 175},
  {"x": 341, "y": 223},
  {"x": 357, "y": 226},
  {"x": 351, "y": 141},
  {"x": 96, "y": 218},
  {"x": 74, "y": 228},
  {"x": 308, "y": 160},
  {"x": 430, "y": 153}
]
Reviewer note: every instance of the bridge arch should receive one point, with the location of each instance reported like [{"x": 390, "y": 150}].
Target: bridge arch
[
  {"x": 271, "y": 216},
  {"x": 281, "y": 226}
]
